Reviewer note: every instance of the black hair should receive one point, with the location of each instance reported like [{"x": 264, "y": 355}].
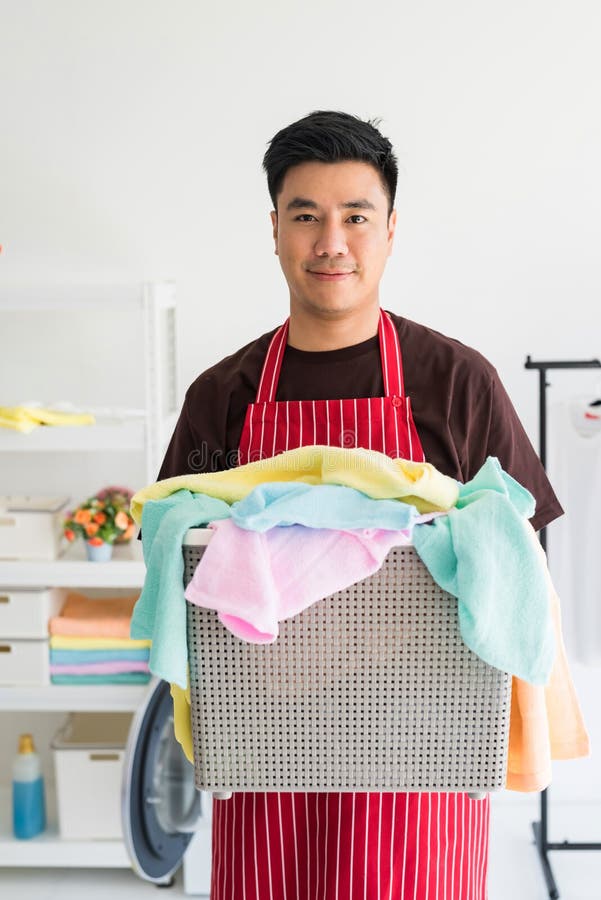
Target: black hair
[{"x": 325, "y": 136}]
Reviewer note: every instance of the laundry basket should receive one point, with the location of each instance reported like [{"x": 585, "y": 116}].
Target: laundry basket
[{"x": 369, "y": 689}]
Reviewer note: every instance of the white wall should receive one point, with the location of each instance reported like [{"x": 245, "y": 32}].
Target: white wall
[{"x": 132, "y": 133}]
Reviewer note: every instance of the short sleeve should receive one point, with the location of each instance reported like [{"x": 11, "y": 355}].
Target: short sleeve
[
  {"x": 181, "y": 449},
  {"x": 199, "y": 441},
  {"x": 508, "y": 441}
]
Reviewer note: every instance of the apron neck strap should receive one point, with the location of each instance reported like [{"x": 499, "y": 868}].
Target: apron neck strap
[
  {"x": 272, "y": 366},
  {"x": 390, "y": 352},
  {"x": 392, "y": 361}
]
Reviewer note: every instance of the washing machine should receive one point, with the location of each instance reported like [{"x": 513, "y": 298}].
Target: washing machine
[{"x": 166, "y": 821}]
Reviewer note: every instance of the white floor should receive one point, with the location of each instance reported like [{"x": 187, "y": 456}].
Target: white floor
[{"x": 515, "y": 872}]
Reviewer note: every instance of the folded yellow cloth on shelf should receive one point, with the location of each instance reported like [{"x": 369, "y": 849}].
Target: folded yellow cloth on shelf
[
  {"x": 16, "y": 417},
  {"x": 26, "y": 418},
  {"x": 373, "y": 473},
  {"x": 61, "y": 642}
]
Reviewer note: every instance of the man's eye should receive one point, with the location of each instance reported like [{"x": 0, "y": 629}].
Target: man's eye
[
  {"x": 357, "y": 219},
  {"x": 304, "y": 217}
]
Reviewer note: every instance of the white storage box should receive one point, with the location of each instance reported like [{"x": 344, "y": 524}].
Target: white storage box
[
  {"x": 24, "y": 613},
  {"x": 88, "y": 762},
  {"x": 31, "y": 526},
  {"x": 24, "y": 662}
]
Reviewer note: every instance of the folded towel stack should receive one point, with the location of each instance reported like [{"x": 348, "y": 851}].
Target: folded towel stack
[{"x": 90, "y": 643}]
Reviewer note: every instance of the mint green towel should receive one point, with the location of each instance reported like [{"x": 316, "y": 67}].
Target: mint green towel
[
  {"x": 121, "y": 678},
  {"x": 160, "y": 612},
  {"x": 481, "y": 553}
]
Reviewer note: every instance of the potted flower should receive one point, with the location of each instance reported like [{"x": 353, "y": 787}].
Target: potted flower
[
  {"x": 101, "y": 521},
  {"x": 121, "y": 497}
]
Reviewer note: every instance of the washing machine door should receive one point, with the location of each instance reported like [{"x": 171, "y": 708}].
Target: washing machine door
[{"x": 160, "y": 805}]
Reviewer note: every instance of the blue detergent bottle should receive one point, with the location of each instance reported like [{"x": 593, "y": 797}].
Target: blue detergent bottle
[{"x": 29, "y": 810}]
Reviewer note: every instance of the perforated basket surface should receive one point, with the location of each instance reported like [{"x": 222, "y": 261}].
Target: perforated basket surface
[{"x": 369, "y": 689}]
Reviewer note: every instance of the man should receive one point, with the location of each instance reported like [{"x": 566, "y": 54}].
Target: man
[{"x": 342, "y": 371}]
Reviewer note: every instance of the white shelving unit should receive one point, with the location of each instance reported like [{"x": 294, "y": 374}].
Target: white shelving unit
[
  {"x": 125, "y": 570},
  {"x": 79, "y": 698},
  {"x": 122, "y": 435},
  {"x": 146, "y": 430},
  {"x": 49, "y": 849}
]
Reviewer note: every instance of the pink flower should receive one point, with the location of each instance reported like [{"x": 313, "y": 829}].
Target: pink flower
[{"x": 114, "y": 489}]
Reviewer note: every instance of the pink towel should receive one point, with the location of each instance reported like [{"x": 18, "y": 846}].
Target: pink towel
[
  {"x": 99, "y": 668},
  {"x": 255, "y": 580}
]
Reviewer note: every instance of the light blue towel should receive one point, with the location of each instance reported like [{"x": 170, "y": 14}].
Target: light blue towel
[
  {"x": 319, "y": 506},
  {"x": 160, "y": 612},
  {"x": 81, "y": 657},
  {"x": 482, "y": 554}
]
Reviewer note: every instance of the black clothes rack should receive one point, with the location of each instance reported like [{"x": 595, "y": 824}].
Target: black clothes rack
[{"x": 541, "y": 828}]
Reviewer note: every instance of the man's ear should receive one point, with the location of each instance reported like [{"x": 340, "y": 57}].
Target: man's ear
[
  {"x": 274, "y": 223},
  {"x": 391, "y": 228}
]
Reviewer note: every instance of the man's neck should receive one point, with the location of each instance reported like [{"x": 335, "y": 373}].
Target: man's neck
[{"x": 308, "y": 331}]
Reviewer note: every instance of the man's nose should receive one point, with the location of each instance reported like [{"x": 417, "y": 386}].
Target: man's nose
[{"x": 331, "y": 240}]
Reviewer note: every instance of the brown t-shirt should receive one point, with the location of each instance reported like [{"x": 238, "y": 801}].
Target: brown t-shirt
[{"x": 461, "y": 410}]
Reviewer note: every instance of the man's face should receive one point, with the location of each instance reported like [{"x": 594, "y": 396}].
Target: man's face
[{"x": 333, "y": 236}]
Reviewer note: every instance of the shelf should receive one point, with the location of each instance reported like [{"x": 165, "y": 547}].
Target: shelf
[
  {"x": 75, "y": 438},
  {"x": 125, "y": 570},
  {"x": 116, "y": 430},
  {"x": 28, "y": 297},
  {"x": 151, "y": 318},
  {"x": 73, "y": 698},
  {"x": 116, "y": 436},
  {"x": 49, "y": 849}
]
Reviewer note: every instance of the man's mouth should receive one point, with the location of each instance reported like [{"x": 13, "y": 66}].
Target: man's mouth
[{"x": 328, "y": 275}]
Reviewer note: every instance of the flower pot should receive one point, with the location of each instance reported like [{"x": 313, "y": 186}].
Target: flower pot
[{"x": 99, "y": 552}]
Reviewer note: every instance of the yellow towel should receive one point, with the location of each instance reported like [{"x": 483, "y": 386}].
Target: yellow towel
[
  {"x": 59, "y": 642},
  {"x": 373, "y": 473},
  {"x": 17, "y": 418},
  {"x": 26, "y": 418},
  {"x": 182, "y": 721}
]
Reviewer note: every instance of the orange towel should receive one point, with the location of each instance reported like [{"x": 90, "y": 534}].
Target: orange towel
[
  {"x": 546, "y": 722},
  {"x": 82, "y": 616}
]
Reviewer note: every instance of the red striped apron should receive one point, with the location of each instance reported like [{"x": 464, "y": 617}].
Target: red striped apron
[
  {"x": 376, "y": 423},
  {"x": 345, "y": 846}
]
